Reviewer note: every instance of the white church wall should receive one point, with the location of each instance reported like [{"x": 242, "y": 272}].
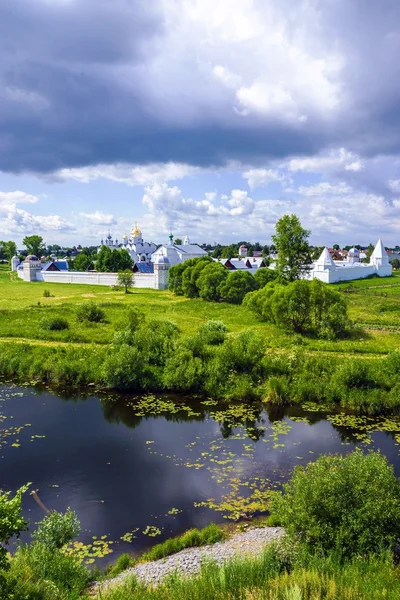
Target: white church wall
[{"x": 142, "y": 280}]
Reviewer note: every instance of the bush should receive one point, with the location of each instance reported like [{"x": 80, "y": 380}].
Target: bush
[
  {"x": 210, "y": 280},
  {"x": 47, "y": 294},
  {"x": 54, "y": 323},
  {"x": 264, "y": 275},
  {"x": 191, "y": 538},
  {"x": 236, "y": 286},
  {"x": 213, "y": 332},
  {"x": 124, "y": 562},
  {"x": 57, "y": 529},
  {"x": 345, "y": 504},
  {"x": 90, "y": 311},
  {"x": 123, "y": 368},
  {"x": 183, "y": 371}
]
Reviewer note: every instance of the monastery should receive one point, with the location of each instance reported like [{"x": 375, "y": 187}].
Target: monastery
[
  {"x": 332, "y": 271},
  {"x": 138, "y": 250}
]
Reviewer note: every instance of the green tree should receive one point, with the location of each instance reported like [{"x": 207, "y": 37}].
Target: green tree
[
  {"x": 82, "y": 262},
  {"x": 175, "y": 278},
  {"x": 236, "y": 286},
  {"x": 125, "y": 279},
  {"x": 229, "y": 251},
  {"x": 291, "y": 241},
  {"x": 349, "y": 504},
  {"x": 336, "y": 247},
  {"x": 210, "y": 280},
  {"x": 57, "y": 529},
  {"x": 264, "y": 275},
  {"x": 8, "y": 249},
  {"x": 34, "y": 244},
  {"x": 178, "y": 241},
  {"x": 11, "y": 521},
  {"x": 395, "y": 263},
  {"x": 112, "y": 261}
]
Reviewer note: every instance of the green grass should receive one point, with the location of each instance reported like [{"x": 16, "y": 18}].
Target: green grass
[{"x": 266, "y": 578}]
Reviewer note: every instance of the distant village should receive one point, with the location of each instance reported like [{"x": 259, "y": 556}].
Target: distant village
[{"x": 150, "y": 262}]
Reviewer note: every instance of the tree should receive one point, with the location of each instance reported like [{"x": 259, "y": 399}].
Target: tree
[
  {"x": 11, "y": 521},
  {"x": 210, "y": 280},
  {"x": 302, "y": 306},
  {"x": 8, "y": 249},
  {"x": 336, "y": 247},
  {"x": 236, "y": 286},
  {"x": 34, "y": 244},
  {"x": 125, "y": 279},
  {"x": 112, "y": 261},
  {"x": 264, "y": 276},
  {"x": 82, "y": 262},
  {"x": 178, "y": 241},
  {"x": 349, "y": 504},
  {"x": 291, "y": 240},
  {"x": 229, "y": 251},
  {"x": 395, "y": 263}
]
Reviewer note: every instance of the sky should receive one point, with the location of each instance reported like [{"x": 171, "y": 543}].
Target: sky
[{"x": 207, "y": 118}]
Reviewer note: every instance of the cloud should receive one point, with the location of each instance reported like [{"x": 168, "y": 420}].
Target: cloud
[
  {"x": 324, "y": 189},
  {"x": 99, "y": 218},
  {"x": 123, "y": 173},
  {"x": 198, "y": 83},
  {"x": 17, "y": 197},
  {"x": 259, "y": 177},
  {"x": 334, "y": 161}
]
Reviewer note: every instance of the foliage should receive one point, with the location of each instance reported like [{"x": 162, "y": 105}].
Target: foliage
[
  {"x": 183, "y": 371},
  {"x": 303, "y": 307},
  {"x": 347, "y": 504},
  {"x": 125, "y": 279},
  {"x": 34, "y": 244},
  {"x": 175, "y": 274},
  {"x": 112, "y": 261},
  {"x": 8, "y": 249},
  {"x": 54, "y": 323},
  {"x": 83, "y": 262},
  {"x": 57, "y": 529},
  {"x": 124, "y": 561},
  {"x": 213, "y": 332},
  {"x": 123, "y": 368},
  {"x": 193, "y": 537},
  {"x": 46, "y": 293},
  {"x": 264, "y": 275},
  {"x": 210, "y": 281},
  {"x": 236, "y": 286},
  {"x": 11, "y": 520},
  {"x": 90, "y": 311},
  {"x": 291, "y": 241}
]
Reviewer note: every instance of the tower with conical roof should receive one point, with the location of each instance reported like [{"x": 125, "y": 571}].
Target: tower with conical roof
[
  {"x": 379, "y": 257},
  {"x": 325, "y": 262}
]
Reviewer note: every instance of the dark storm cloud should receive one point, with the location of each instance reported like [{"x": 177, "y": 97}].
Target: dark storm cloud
[{"x": 77, "y": 89}]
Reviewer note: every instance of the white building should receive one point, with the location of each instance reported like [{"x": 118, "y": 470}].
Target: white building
[
  {"x": 137, "y": 249},
  {"x": 178, "y": 253},
  {"x": 243, "y": 251},
  {"x": 333, "y": 271}
]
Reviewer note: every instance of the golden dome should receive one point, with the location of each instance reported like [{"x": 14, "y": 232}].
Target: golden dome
[
  {"x": 136, "y": 230},
  {"x": 125, "y": 237}
]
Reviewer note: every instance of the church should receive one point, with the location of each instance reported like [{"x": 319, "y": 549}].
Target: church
[
  {"x": 178, "y": 253},
  {"x": 138, "y": 250}
]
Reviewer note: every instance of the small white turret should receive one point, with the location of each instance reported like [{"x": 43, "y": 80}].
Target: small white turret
[
  {"x": 161, "y": 267},
  {"x": 14, "y": 263},
  {"x": 353, "y": 256},
  {"x": 379, "y": 257},
  {"x": 325, "y": 261},
  {"x": 186, "y": 241}
]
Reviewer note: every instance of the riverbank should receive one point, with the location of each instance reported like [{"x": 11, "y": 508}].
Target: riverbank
[
  {"x": 150, "y": 341},
  {"x": 188, "y": 562}
]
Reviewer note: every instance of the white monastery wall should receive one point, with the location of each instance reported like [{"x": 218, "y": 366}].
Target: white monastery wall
[{"x": 142, "y": 280}]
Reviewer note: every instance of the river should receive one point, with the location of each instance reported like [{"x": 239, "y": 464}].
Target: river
[{"x": 138, "y": 470}]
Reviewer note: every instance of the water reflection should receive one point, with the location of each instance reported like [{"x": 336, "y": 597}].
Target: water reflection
[{"x": 121, "y": 469}]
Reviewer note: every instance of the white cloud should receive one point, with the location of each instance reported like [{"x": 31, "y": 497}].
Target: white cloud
[
  {"x": 14, "y": 221},
  {"x": 227, "y": 77},
  {"x": 334, "y": 161},
  {"x": 324, "y": 189},
  {"x": 17, "y": 197},
  {"x": 259, "y": 177},
  {"x": 129, "y": 174},
  {"x": 99, "y": 218}
]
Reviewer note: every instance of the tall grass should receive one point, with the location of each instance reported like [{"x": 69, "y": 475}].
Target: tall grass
[{"x": 266, "y": 578}]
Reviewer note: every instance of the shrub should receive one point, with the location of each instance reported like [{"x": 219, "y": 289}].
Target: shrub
[
  {"x": 193, "y": 537},
  {"x": 264, "y": 275},
  {"x": 236, "y": 286},
  {"x": 213, "y": 332},
  {"x": 124, "y": 562},
  {"x": 345, "y": 504},
  {"x": 57, "y": 529},
  {"x": 90, "y": 311},
  {"x": 156, "y": 340},
  {"x": 123, "y": 368},
  {"x": 46, "y": 293},
  {"x": 183, "y": 371},
  {"x": 54, "y": 323},
  {"x": 210, "y": 280}
]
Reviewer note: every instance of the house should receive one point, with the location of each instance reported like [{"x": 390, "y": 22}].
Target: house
[
  {"x": 143, "y": 267},
  {"x": 55, "y": 265},
  {"x": 178, "y": 253}
]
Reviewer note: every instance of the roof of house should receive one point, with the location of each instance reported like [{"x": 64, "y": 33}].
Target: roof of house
[
  {"x": 49, "y": 264},
  {"x": 190, "y": 249},
  {"x": 143, "y": 267}
]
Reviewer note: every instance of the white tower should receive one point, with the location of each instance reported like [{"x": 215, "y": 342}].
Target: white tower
[
  {"x": 186, "y": 241},
  {"x": 161, "y": 267},
  {"x": 353, "y": 256},
  {"x": 324, "y": 262},
  {"x": 243, "y": 251},
  {"x": 14, "y": 263},
  {"x": 32, "y": 265},
  {"x": 379, "y": 257}
]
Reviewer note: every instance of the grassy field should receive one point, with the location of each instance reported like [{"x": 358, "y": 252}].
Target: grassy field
[{"x": 374, "y": 305}]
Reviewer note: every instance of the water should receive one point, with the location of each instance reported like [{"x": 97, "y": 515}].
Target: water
[{"x": 142, "y": 475}]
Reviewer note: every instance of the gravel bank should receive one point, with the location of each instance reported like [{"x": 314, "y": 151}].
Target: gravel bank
[{"x": 188, "y": 562}]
